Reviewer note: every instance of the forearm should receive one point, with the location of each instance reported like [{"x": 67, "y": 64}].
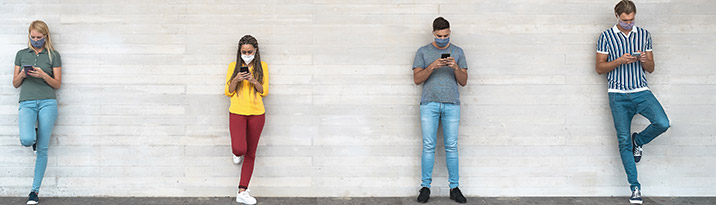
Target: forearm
[
  {"x": 54, "y": 83},
  {"x": 258, "y": 86},
  {"x": 605, "y": 67},
  {"x": 461, "y": 76},
  {"x": 648, "y": 66},
  {"x": 232, "y": 86},
  {"x": 17, "y": 81},
  {"x": 422, "y": 75}
]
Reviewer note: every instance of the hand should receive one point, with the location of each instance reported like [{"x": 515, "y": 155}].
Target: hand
[
  {"x": 440, "y": 62},
  {"x": 642, "y": 57},
  {"x": 627, "y": 59},
  {"x": 450, "y": 62},
  {"x": 22, "y": 74},
  {"x": 37, "y": 72},
  {"x": 249, "y": 77}
]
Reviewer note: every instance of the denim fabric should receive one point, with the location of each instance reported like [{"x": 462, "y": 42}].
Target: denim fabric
[{"x": 431, "y": 114}]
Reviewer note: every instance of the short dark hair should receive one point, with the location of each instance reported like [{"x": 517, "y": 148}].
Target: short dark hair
[
  {"x": 440, "y": 23},
  {"x": 624, "y": 7}
]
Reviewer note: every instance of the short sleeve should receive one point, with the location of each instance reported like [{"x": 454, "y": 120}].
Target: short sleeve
[
  {"x": 18, "y": 58},
  {"x": 419, "y": 61},
  {"x": 462, "y": 61},
  {"x": 648, "y": 42},
  {"x": 56, "y": 59},
  {"x": 602, "y": 44}
]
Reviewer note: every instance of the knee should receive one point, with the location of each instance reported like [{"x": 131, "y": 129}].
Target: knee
[
  {"x": 238, "y": 151},
  {"x": 428, "y": 147},
  {"x": 451, "y": 147},
  {"x": 662, "y": 125},
  {"x": 27, "y": 141}
]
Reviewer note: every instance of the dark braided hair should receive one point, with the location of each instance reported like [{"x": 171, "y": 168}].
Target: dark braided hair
[{"x": 257, "y": 68}]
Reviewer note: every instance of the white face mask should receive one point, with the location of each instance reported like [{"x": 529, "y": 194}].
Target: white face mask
[{"x": 247, "y": 58}]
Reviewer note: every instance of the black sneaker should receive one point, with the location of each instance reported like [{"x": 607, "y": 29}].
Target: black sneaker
[
  {"x": 635, "y": 197},
  {"x": 33, "y": 199},
  {"x": 34, "y": 148},
  {"x": 636, "y": 149},
  {"x": 456, "y": 194},
  {"x": 424, "y": 195}
]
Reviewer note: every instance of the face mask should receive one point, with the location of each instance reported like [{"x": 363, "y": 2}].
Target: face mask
[
  {"x": 247, "y": 58},
  {"x": 442, "y": 42},
  {"x": 38, "y": 43},
  {"x": 626, "y": 26}
]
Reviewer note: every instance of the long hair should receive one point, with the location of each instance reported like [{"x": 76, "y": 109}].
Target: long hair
[
  {"x": 257, "y": 68},
  {"x": 41, "y": 27}
]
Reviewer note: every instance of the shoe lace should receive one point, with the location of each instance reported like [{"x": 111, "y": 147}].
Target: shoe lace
[
  {"x": 636, "y": 193},
  {"x": 638, "y": 150}
]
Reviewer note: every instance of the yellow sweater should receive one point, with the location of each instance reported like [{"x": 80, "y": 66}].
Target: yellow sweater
[{"x": 247, "y": 102}]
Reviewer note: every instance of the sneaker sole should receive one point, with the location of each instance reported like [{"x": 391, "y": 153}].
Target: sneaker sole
[
  {"x": 33, "y": 202},
  {"x": 635, "y": 202}
]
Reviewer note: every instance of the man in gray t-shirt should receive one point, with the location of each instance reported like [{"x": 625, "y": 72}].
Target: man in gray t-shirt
[{"x": 440, "y": 66}]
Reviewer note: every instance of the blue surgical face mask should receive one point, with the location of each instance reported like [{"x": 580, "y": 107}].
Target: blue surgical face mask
[
  {"x": 37, "y": 43},
  {"x": 626, "y": 26},
  {"x": 442, "y": 42}
]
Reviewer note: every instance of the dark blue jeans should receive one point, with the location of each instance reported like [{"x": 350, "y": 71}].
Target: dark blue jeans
[{"x": 624, "y": 106}]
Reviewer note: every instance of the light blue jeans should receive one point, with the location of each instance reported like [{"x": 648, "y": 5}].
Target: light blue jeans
[
  {"x": 431, "y": 114},
  {"x": 624, "y": 106},
  {"x": 44, "y": 113}
]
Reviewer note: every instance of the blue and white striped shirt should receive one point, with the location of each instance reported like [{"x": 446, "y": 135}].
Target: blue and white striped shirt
[{"x": 627, "y": 77}]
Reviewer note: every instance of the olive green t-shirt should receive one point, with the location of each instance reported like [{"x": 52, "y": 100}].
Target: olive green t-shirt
[{"x": 35, "y": 88}]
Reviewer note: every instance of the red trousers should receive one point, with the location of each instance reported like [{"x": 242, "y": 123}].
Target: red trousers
[{"x": 245, "y": 133}]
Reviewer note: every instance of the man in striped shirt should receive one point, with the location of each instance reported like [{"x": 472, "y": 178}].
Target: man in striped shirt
[{"x": 624, "y": 53}]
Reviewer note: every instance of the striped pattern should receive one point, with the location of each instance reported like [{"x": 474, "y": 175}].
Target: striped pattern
[{"x": 613, "y": 42}]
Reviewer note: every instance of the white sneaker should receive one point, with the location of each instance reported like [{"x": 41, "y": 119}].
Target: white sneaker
[
  {"x": 244, "y": 198},
  {"x": 237, "y": 159}
]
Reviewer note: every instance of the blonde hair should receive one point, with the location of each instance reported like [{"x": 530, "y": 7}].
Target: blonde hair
[{"x": 41, "y": 26}]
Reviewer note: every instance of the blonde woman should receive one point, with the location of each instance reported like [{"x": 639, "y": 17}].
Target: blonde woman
[
  {"x": 38, "y": 71},
  {"x": 246, "y": 84}
]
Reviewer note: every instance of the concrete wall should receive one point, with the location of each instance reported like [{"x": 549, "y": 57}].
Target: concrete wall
[{"x": 142, "y": 111}]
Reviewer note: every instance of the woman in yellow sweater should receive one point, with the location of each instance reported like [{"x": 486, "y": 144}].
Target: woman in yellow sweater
[{"x": 246, "y": 85}]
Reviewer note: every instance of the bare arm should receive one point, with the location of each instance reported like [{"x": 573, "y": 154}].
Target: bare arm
[
  {"x": 18, "y": 77},
  {"x": 647, "y": 61}
]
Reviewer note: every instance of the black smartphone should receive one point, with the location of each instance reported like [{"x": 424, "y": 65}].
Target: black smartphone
[
  {"x": 27, "y": 68},
  {"x": 445, "y": 55},
  {"x": 244, "y": 69}
]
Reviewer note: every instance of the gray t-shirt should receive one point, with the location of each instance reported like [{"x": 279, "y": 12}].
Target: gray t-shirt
[
  {"x": 441, "y": 86},
  {"x": 36, "y": 88}
]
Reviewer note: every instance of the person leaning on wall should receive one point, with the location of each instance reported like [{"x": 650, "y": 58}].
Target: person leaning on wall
[
  {"x": 624, "y": 53},
  {"x": 440, "y": 67},
  {"x": 247, "y": 82},
  {"x": 38, "y": 73}
]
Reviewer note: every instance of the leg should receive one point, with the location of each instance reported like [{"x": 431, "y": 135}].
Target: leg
[
  {"x": 649, "y": 107},
  {"x": 451, "y": 122},
  {"x": 46, "y": 122},
  {"x": 256, "y": 126},
  {"x": 27, "y": 117},
  {"x": 237, "y": 129},
  {"x": 429, "y": 119},
  {"x": 623, "y": 111}
]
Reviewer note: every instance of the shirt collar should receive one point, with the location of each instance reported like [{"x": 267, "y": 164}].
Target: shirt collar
[
  {"x": 29, "y": 50},
  {"x": 616, "y": 30}
]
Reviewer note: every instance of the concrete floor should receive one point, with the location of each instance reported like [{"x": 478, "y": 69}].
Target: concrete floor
[{"x": 367, "y": 200}]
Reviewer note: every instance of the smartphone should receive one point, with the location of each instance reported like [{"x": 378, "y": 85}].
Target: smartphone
[
  {"x": 27, "y": 68},
  {"x": 244, "y": 69},
  {"x": 636, "y": 54},
  {"x": 445, "y": 55}
]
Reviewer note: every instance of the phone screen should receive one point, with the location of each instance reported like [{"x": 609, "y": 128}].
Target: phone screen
[
  {"x": 244, "y": 69},
  {"x": 445, "y": 55},
  {"x": 27, "y": 68}
]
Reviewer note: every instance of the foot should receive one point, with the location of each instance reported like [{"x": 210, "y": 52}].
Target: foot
[
  {"x": 244, "y": 198},
  {"x": 32, "y": 198},
  {"x": 237, "y": 159},
  {"x": 34, "y": 148},
  {"x": 424, "y": 195},
  {"x": 456, "y": 194},
  {"x": 635, "y": 196},
  {"x": 636, "y": 148}
]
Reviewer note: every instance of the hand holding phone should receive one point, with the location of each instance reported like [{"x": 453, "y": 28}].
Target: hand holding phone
[
  {"x": 636, "y": 54},
  {"x": 28, "y": 68}
]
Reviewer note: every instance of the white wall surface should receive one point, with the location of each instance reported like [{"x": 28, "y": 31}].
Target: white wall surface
[{"x": 142, "y": 110}]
